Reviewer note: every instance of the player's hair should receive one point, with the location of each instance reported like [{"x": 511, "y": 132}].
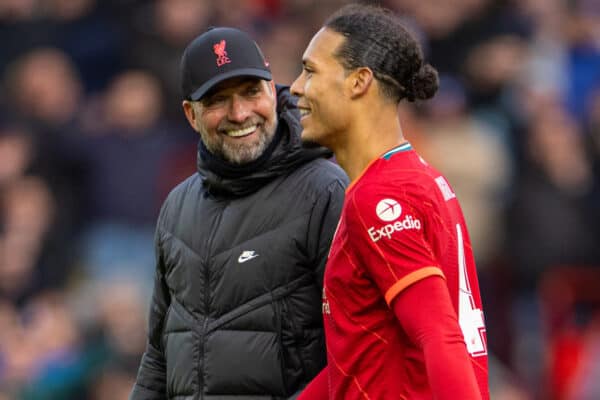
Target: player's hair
[{"x": 375, "y": 38}]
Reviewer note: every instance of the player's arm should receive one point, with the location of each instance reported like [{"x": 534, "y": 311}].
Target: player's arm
[
  {"x": 318, "y": 388},
  {"x": 425, "y": 311}
]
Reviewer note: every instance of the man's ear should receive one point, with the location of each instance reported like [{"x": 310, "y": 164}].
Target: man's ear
[
  {"x": 360, "y": 81},
  {"x": 190, "y": 113}
]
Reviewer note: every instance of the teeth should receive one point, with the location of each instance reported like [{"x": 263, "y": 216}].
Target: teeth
[
  {"x": 241, "y": 132},
  {"x": 304, "y": 111}
]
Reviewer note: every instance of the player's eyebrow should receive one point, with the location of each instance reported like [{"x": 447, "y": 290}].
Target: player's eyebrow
[{"x": 307, "y": 62}]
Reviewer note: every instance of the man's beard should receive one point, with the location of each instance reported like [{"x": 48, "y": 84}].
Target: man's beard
[{"x": 239, "y": 153}]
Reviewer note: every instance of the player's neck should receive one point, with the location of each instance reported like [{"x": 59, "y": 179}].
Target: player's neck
[{"x": 370, "y": 136}]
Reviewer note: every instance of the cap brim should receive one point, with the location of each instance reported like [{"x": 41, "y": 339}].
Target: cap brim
[{"x": 250, "y": 72}]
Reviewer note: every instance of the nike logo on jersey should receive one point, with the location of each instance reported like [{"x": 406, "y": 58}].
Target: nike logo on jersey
[{"x": 247, "y": 255}]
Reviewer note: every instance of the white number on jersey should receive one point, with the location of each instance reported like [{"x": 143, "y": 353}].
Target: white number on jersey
[{"x": 470, "y": 318}]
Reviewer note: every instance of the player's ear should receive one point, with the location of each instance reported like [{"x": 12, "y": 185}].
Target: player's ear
[
  {"x": 190, "y": 112},
  {"x": 360, "y": 81},
  {"x": 272, "y": 85}
]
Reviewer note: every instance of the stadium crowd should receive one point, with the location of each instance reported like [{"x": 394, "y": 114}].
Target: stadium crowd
[{"x": 92, "y": 138}]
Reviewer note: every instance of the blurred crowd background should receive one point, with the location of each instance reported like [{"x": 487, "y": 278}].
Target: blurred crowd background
[{"x": 92, "y": 138}]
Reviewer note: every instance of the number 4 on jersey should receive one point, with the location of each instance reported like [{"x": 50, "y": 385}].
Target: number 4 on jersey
[{"x": 470, "y": 318}]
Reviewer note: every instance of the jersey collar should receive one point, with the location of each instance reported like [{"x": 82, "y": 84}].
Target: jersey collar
[{"x": 398, "y": 149}]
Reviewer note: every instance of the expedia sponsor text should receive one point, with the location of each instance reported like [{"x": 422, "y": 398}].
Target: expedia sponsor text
[{"x": 388, "y": 230}]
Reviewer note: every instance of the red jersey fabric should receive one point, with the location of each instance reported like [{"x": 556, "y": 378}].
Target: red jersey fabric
[{"x": 401, "y": 223}]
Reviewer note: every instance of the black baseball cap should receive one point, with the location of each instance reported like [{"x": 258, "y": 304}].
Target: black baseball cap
[{"x": 218, "y": 54}]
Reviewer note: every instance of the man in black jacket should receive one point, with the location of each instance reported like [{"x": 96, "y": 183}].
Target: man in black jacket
[{"x": 241, "y": 246}]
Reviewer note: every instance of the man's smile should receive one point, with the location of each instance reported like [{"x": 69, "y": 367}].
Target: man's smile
[
  {"x": 304, "y": 111},
  {"x": 241, "y": 132}
]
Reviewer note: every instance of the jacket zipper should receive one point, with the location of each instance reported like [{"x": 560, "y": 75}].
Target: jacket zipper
[{"x": 206, "y": 265}]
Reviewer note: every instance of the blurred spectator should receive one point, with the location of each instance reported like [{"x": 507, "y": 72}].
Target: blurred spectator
[
  {"x": 32, "y": 252},
  {"x": 160, "y": 31},
  {"x": 84, "y": 31},
  {"x": 492, "y": 65},
  {"x": 244, "y": 14},
  {"x": 12, "y": 336},
  {"x": 593, "y": 134},
  {"x": 29, "y": 257},
  {"x": 45, "y": 86},
  {"x": 16, "y": 152},
  {"x": 22, "y": 19},
  {"x": 545, "y": 69},
  {"x": 114, "y": 383},
  {"x": 124, "y": 153},
  {"x": 114, "y": 342},
  {"x": 283, "y": 47},
  {"x": 582, "y": 28},
  {"x": 551, "y": 222},
  {"x": 43, "y": 360},
  {"x": 81, "y": 28},
  {"x": 593, "y": 124},
  {"x": 47, "y": 94},
  {"x": 120, "y": 315},
  {"x": 504, "y": 383},
  {"x": 452, "y": 28}
]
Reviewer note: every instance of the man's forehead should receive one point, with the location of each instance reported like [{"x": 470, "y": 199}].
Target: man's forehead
[
  {"x": 234, "y": 84},
  {"x": 322, "y": 46}
]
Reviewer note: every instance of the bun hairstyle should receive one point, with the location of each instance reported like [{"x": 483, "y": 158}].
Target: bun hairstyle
[{"x": 375, "y": 38}]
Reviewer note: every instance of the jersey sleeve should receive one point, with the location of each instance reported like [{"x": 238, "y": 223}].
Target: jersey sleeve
[
  {"x": 388, "y": 229},
  {"x": 435, "y": 330}
]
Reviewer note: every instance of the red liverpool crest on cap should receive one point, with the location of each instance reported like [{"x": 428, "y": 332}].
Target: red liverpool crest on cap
[{"x": 219, "y": 49}]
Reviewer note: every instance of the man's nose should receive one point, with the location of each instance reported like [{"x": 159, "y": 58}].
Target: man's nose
[
  {"x": 296, "y": 87},
  {"x": 239, "y": 110}
]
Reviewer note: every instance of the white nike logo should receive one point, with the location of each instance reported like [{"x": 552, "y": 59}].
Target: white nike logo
[{"x": 247, "y": 255}]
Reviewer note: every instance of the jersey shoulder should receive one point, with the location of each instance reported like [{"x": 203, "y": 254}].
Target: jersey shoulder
[
  {"x": 404, "y": 178},
  {"x": 404, "y": 175}
]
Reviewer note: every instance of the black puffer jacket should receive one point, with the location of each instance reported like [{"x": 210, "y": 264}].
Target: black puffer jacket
[{"x": 236, "y": 311}]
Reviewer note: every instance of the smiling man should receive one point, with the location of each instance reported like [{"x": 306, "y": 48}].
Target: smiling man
[{"x": 241, "y": 245}]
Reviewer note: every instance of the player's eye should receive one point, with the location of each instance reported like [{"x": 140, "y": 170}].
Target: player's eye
[
  {"x": 213, "y": 100},
  {"x": 253, "y": 90}
]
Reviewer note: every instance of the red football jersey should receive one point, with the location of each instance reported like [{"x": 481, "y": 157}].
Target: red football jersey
[{"x": 401, "y": 222}]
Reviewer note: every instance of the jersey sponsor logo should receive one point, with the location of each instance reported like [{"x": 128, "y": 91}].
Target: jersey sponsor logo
[
  {"x": 389, "y": 210},
  {"x": 445, "y": 188},
  {"x": 246, "y": 256},
  {"x": 388, "y": 230}
]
